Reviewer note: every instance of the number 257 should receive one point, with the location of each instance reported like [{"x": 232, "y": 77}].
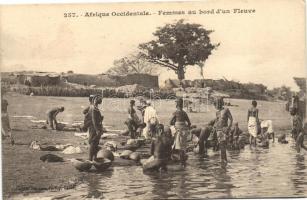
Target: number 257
[{"x": 69, "y": 14}]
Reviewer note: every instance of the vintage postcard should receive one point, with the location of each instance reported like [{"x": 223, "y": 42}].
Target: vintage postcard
[{"x": 154, "y": 100}]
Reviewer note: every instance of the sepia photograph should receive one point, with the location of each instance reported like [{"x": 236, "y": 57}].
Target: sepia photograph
[{"x": 154, "y": 100}]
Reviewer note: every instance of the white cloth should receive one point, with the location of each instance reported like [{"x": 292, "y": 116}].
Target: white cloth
[
  {"x": 72, "y": 150},
  {"x": 267, "y": 124},
  {"x": 252, "y": 126},
  {"x": 150, "y": 117},
  {"x": 182, "y": 132},
  {"x": 150, "y": 114}
]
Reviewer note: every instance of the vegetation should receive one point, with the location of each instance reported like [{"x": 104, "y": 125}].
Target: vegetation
[
  {"x": 179, "y": 45},
  {"x": 133, "y": 64},
  {"x": 85, "y": 92}
]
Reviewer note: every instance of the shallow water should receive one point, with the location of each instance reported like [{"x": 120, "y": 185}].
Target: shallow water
[
  {"x": 275, "y": 172},
  {"x": 253, "y": 172}
]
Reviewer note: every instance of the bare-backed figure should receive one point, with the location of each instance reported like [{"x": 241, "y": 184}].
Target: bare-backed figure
[
  {"x": 51, "y": 117},
  {"x": 203, "y": 135},
  {"x": 234, "y": 137},
  {"x": 133, "y": 120},
  {"x": 161, "y": 148},
  {"x": 223, "y": 115},
  {"x": 252, "y": 123}
]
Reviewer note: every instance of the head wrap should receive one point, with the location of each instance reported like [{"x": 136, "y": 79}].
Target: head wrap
[
  {"x": 96, "y": 98},
  {"x": 91, "y": 97}
]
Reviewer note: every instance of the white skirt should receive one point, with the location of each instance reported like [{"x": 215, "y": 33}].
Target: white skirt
[{"x": 252, "y": 126}]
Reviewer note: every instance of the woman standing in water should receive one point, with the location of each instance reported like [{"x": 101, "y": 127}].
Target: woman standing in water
[
  {"x": 95, "y": 127},
  {"x": 182, "y": 124},
  {"x": 253, "y": 120}
]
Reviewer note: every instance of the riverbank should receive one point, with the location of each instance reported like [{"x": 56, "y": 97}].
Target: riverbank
[{"x": 24, "y": 173}]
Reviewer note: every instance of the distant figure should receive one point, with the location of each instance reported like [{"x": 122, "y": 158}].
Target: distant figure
[
  {"x": 133, "y": 120},
  {"x": 264, "y": 136},
  {"x": 151, "y": 120},
  {"x": 182, "y": 123},
  {"x": 297, "y": 124},
  {"x": 223, "y": 115},
  {"x": 300, "y": 139},
  {"x": 269, "y": 125},
  {"x": 85, "y": 126},
  {"x": 95, "y": 127},
  {"x": 282, "y": 139},
  {"x": 142, "y": 108},
  {"x": 51, "y": 117},
  {"x": 5, "y": 121},
  {"x": 234, "y": 136},
  {"x": 253, "y": 121},
  {"x": 161, "y": 148}
]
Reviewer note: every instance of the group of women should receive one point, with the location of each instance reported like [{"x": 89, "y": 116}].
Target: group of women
[{"x": 182, "y": 124}]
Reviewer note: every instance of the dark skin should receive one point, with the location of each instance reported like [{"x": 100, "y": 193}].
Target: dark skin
[
  {"x": 95, "y": 129},
  {"x": 234, "y": 135},
  {"x": 300, "y": 142},
  {"x": 180, "y": 116},
  {"x": 161, "y": 149},
  {"x": 131, "y": 109},
  {"x": 203, "y": 135},
  {"x": 223, "y": 115},
  {"x": 85, "y": 112},
  {"x": 132, "y": 125},
  {"x": 4, "y": 105},
  {"x": 52, "y": 116}
]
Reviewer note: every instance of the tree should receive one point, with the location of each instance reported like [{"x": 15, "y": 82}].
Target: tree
[
  {"x": 134, "y": 63},
  {"x": 179, "y": 45}
]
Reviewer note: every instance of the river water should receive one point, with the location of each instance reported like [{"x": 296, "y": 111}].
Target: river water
[
  {"x": 275, "y": 172},
  {"x": 253, "y": 172}
]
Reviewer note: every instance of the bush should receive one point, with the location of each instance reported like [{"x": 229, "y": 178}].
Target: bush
[{"x": 85, "y": 92}]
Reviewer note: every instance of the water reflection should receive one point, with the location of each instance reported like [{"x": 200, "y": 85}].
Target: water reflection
[
  {"x": 253, "y": 172},
  {"x": 299, "y": 176},
  {"x": 95, "y": 182}
]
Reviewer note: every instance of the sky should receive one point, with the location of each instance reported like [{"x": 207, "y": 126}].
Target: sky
[{"x": 266, "y": 47}]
